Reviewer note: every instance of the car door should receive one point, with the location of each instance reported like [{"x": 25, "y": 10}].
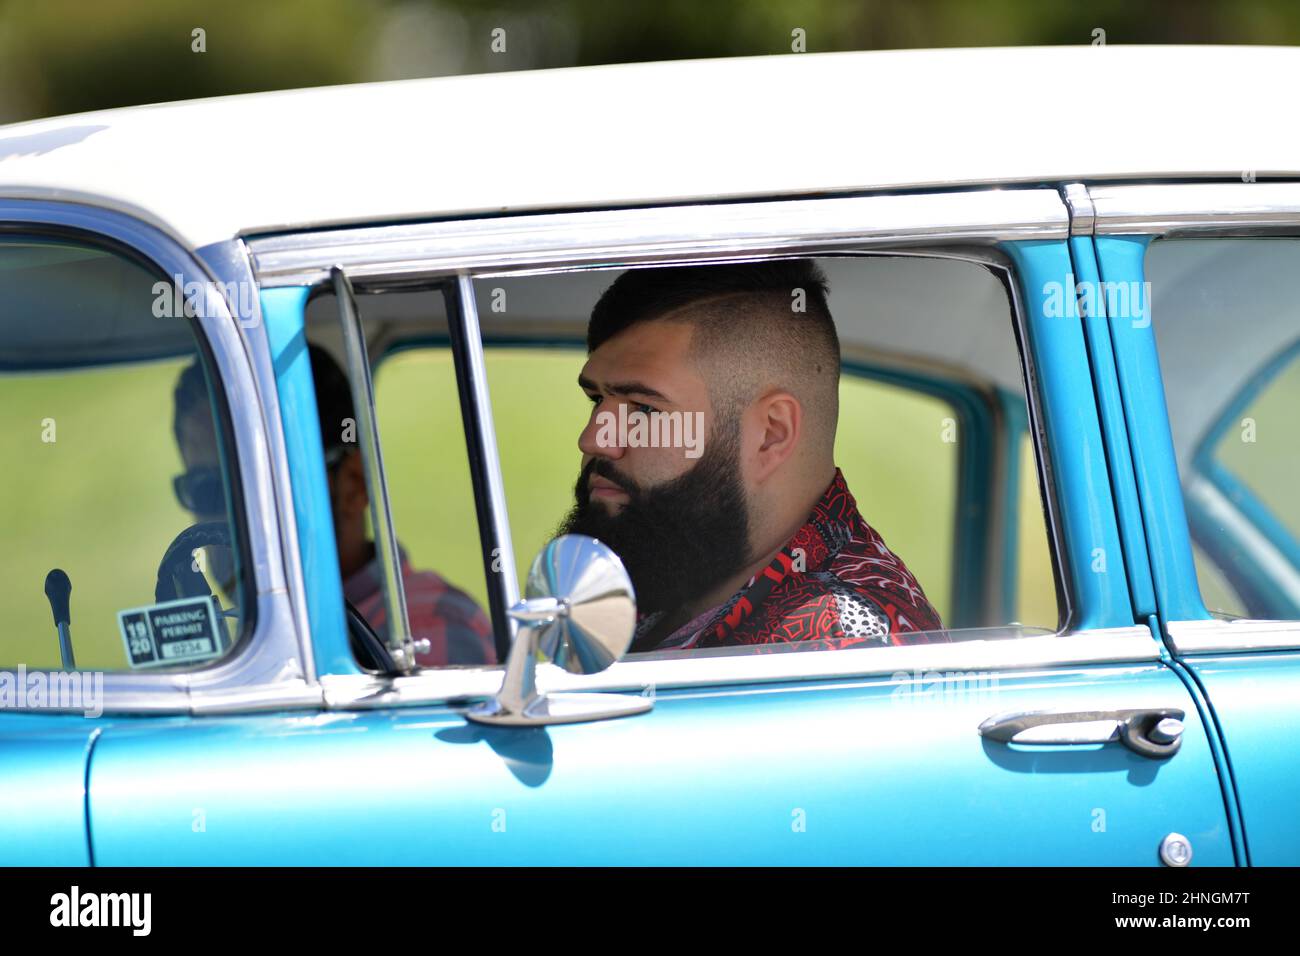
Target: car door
[
  {"x": 44, "y": 759},
  {"x": 1209, "y": 378},
  {"x": 1006, "y": 745}
]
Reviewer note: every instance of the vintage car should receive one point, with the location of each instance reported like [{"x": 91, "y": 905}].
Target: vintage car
[{"x": 1068, "y": 313}]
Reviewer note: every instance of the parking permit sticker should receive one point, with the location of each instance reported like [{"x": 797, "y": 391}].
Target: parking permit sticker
[{"x": 173, "y": 632}]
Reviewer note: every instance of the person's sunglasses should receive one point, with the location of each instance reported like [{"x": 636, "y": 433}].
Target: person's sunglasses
[
  {"x": 334, "y": 456},
  {"x": 201, "y": 490}
]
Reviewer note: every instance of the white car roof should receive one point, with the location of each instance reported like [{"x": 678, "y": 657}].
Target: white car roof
[{"x": 590, "y": 137}]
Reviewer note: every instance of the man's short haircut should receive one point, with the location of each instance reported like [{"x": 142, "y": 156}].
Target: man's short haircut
[{"x": 757, "y": 326}]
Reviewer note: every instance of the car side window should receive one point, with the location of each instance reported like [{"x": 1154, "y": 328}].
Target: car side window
[
  {"x": 1227, "y": 326},
  {"x": 1267, "y": 468},
  {"x": 934, "y": 523},
  {"x": 1033, "y": 591},
  {"x": 123, "y": 549}
]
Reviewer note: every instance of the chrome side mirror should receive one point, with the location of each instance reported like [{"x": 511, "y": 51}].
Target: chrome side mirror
[{"x": 579, "y": 610}]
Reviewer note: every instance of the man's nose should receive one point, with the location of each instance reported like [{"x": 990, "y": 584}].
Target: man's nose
[{"x": 600, "y": 439}]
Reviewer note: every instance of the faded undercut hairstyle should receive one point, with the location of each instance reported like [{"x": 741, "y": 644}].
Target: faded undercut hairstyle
[{"x": 756, "y": 326}]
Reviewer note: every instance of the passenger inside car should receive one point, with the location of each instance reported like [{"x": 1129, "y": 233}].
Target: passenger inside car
[
  {"x": 456, "y": 628},
  {"x": 708, "y": 465}
]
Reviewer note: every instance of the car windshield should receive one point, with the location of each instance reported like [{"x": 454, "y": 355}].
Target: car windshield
[{"x": 120, "y": 547}]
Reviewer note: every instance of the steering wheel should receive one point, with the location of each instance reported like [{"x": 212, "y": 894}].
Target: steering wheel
[
  {"x": 367, "y": 647},
  {"x": 177, "y": 576}
]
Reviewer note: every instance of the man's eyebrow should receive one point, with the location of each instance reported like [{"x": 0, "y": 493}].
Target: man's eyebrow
[{"x": 623, "y": 388}]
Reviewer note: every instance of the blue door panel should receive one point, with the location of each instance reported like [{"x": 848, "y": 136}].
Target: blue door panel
[
  {"x": 43, "y": 789},
  {"x": 1255, "y": 702},
  {"x": 865, "y": 772}
]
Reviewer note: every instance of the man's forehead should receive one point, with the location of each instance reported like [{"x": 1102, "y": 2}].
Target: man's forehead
[{"x": 647, "y": 350}]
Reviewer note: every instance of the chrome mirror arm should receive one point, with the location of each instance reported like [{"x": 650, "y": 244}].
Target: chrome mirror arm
[
  {"x": 519, "y": 688},
  {"x": 599, "y": 619}
]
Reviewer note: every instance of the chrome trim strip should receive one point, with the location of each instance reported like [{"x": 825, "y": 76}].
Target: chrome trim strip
[
  {"x": 291, "y": 695},
  {"x": 230, "y": 262},
  {"x": 271, "y": 660},
  {"x": 496, "y": 487},
  {"x": 229, "y": 265},
  {"x": 1194, "y": 208},
  {"x": 1083, "y": 215},
  {"x": 372, "y": 459},
  {"x": 659, "y": 234},
  {"x": 1045, "y": 467},
  {"x": 1106, "y": 645},
  {"x": 1203, "y": 637},
  {"x": 287, "y": 695}
]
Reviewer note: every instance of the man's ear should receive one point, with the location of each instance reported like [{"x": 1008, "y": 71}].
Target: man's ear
[
  {"x": 349, "y": 485},
  {"x": 779, "y": 423}
]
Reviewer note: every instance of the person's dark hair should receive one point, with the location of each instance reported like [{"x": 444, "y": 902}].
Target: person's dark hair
[
  {"x": 642, "y": 294},
  {"x": 333, "y": 400},
  {"x": 191, "y": 393},
  {"x": 333, "y": 404},
  {"x": 756, "y": 325}
]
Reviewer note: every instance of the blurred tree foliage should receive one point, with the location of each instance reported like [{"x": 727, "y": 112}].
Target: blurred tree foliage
[{"x": 61, "y": 56}]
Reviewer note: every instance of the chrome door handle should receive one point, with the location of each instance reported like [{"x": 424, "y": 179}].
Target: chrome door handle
[{"x": 1155, "y": 732}]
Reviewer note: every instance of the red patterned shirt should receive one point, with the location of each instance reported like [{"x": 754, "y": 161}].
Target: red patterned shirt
[
  {"x": 457, "y": 629},
  {"x": 834, "y": 582}
]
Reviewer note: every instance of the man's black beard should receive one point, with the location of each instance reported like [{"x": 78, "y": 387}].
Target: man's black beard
[{"x": 678, "y": 539}]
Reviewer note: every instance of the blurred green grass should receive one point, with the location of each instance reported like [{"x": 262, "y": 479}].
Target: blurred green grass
[{"x": 98, "y": 502}]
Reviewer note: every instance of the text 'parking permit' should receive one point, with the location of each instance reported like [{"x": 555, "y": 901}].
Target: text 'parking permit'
[{"x": 173, "y": 632}]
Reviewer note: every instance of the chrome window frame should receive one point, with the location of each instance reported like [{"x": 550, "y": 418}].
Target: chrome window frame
[
  {"x": 271, "y": 668},
  {"x": 963, "y": 225},
  {"x": 1196, "y": 209},
  {"x": 551, "y": 241},
  {"x": 1205, "y": 210}
]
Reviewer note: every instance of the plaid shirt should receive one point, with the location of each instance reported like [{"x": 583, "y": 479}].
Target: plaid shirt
[
  {"x": 457, "y": 629},
  {"x": 834, "y": 582}
]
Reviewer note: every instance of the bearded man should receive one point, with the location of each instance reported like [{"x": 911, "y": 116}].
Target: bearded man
[{"x": 753, "y": 537}]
